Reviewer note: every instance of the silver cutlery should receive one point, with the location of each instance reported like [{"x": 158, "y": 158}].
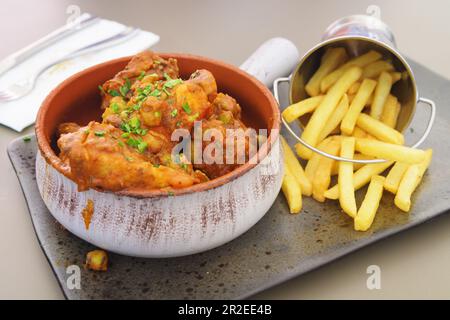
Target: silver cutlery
[
  {"x": 16, "y": 58},
  {"x": 24, "y": 87}
]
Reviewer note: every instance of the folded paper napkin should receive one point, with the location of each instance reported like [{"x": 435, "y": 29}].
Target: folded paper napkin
[{"x": 21, "y": 113}]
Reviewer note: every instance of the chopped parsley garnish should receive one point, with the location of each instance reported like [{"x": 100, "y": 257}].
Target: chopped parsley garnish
[
  {"x": 174, "y": 113},
  {"x": 166, "y": 76},
  {"x": 156, "y": 62},
  {"x": 186, "y": 108},
  {"x": 134, "y": 123},
  {"x": 114, "y": 93},
  {"x": 120, "y": 143},
  {"x": 129, "y": 159},
  {"x": 170, "y": 193},
  {"x": 115, "y": 107},
  {"x": 141, "y": 76},
  {"x": 136, "y": 107},
  {"x": 125, "y": 135},
  {"x": 133, "y": 142},
  {"x": 99, "y": 133},
  {"x": 155, "y": 93},
  {"x": 193, "y": 117},
  {"x": 172, "y": 83},
  {"x": 157, "y": 114},
  {"x": 179, "y": 123},
  {"x": 142, "y": 146},
  {"x": 125, "y": 88},
  {"x": 125, "y": 127},
  {"x": 166, "y": 92},
  {"x": 101, "y": 89},
  {"x": 184, "y": 166},
  {"x": 156, "y": 165},
  {"x": 26, "y": 139},
  {"x": 87, "y": 131}
]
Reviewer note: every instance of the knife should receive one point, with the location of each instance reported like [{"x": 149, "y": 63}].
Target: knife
[{"x": 14, "y": 59}]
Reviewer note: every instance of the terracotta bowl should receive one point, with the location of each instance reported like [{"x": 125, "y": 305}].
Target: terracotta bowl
[{"x": 151, "y": 223}]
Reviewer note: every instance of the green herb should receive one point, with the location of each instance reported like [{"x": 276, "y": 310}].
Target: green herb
[
  {"x": 133, "y": 142},
  {"x": 115, "y": 107},
  {"x": 142, "y": 146},
  {"x": 125, "y": 88},
  {"x": 184, "y": 166},
  {"x": 166, "y": 92},
  {"x": 156, "y": 165},
  {"x": 134, "y": 123},
  {"x": 170, "y": 193},
  {"x": 141, "y": 76},
  {"x": 120, "y": 143},
  {"x": 193, "y": 117},
  {"x": 114, "y": 93},
  {"x": 186, "y": 108},
  {"x": 87, "y": 131},
  {"x": 155, "y": 93},
  {"x": 172, "y": 83},
  {"x": 157, "y": 114},
  {"x": 125, "y": 127},
  {"x": 156, "y": 62},
  {"x": 174, "y": 113},
  {"x": 125, "y": 135},
  {"x": 136, "y": 107},
  {"x": 129, "y": 159},
  {"x": 179, "y": 123},
  {"x": 26, "y": 139},
  {"x": 99, "y": 133},
  {"x": 101, "y": 89}
]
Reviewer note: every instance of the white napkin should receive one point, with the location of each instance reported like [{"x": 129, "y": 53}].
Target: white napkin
[{"x": 21, "y": 113}]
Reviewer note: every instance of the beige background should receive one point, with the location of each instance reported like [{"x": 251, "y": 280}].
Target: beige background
[{"x": 414, "y": 264}]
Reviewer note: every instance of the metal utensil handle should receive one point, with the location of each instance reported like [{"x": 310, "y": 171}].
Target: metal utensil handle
[{"x": 325, "y": 154}]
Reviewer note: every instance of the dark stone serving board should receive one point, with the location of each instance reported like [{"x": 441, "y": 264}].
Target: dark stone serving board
[{"x": 279, "y": 247}]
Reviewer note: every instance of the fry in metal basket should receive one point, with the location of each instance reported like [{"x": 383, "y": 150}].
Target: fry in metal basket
[
  {"x": 360, "y": 133},
  {"x": 395, "y": 76},
  {"x": 391, "y": 111},
  {"x": 300, "y": 108},
  {"x": 380, "y": 95},
  {"x": 313, "y": 163},
  {"x": 345, "y": 178},
  {"x": 360, "y": 61},
  {"x": 389, "y": 151},
  {"x": 296, "y": 169},
  {"x": 292, "y": 191},
  {"x": 354, "y": 88},
  {"x": 369, "y": 206},
  {"x": 394, "y": 177},
  {"x": 410, "y": 181},
  {"x": 331, "y": 60},
  {"x": 374, "y": 69},
  {"x": 358, "y": 103},
  {"x": 325, "y": 109},
  {"x": 356, "y": 166},
  {"x": 379, "y": 130},
  {"x": 360, "y": 178}
]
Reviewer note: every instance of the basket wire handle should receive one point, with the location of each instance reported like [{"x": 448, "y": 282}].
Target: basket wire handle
[{"x": 426, "y": 101}]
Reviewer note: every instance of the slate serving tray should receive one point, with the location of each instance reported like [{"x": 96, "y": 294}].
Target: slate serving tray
[{"x": 279, "y": 247}]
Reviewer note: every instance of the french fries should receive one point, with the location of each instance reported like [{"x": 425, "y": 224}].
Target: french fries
[
  {"x": 331, "y": 60},
  {"x": 292, "y": 191},
  {"x": 360, "y": 61},
  {"x": 410, "y": 181},
  {"x": 358, "y": 103},
  {"x": 354, "y": 114},
  {"x": 369, "y": 206},
  {"x": 379, "y": 130},
  {"x": 381, "y": 93},
  {"x": 374, "y": 69},
  {"x": 296, "y": 169},
  {"x": 360, "y": 178},
  {"x": 322, "y": 175},
  {"x": 300, "y": 108},
  {"x": 335, "y": 118},
  {"x": 326, "y": 108},
  {"x": 389, "y": 151},
  {"x": 391, "y": 110},
  {"x": 345, "y": 178}
]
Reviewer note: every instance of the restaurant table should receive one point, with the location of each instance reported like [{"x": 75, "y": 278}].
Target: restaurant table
[{"x": 413, "y": 264}]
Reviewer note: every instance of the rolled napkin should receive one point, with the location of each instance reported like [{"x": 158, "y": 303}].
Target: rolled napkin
[{"x": 19, "y": 114}]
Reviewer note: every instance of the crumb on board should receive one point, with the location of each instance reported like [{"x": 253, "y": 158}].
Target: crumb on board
[
  {"x": 97, "y": 260},
  {"x": 87, "y": 213}
]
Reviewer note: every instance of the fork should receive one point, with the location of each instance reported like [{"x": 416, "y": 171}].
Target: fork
[{"x": 24, "y": 87}]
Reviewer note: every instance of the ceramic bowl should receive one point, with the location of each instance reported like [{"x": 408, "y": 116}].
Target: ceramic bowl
[{"x": 152, "y": 223}]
